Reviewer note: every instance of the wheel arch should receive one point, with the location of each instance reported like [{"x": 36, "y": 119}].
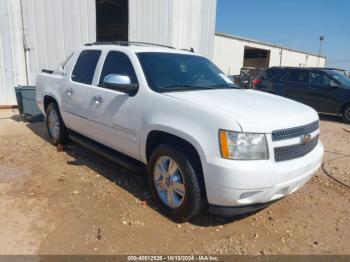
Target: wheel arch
[
  {"x": 48, "y": 99},
  {"x": 157, "y": 134},
  {"x": 342, "y": 108},
  {"x": 158, "y": 137}
]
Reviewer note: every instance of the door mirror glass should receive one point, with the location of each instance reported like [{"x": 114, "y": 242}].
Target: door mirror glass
[
  {"x": 120, "y": 83},
  {"x": 333, "y": 84}
]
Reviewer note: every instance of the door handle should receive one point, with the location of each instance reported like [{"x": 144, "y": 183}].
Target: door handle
[
  {"x": 69, "y": 91},
  {"x": 98, "y": 99}
]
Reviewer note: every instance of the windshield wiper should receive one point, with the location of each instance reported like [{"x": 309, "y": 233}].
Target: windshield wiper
[
  {"x": 223, "y": 87},
  {"x": 193, "y": 88},
  {"x": 181, "y": 88}
]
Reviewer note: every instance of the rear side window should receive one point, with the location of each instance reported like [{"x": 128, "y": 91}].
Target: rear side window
[
  {"x": 118, "y": 63},
  {"x": 85, "y": 67},
  {"x": 299, "y": 76}
]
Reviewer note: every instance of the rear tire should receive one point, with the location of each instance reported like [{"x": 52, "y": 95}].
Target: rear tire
[
  {"x": 55, "y": 126},
  {"x": 346, "y": 114},
  {"x": 174, "y": 183}
]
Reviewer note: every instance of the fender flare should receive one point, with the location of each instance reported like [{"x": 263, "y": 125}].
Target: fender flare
[{"x": 172, "y": 131}]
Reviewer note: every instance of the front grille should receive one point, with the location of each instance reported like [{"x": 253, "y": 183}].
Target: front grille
[
  {"x": 295, "y": 131},
  {"x": 284, "y": 153}
]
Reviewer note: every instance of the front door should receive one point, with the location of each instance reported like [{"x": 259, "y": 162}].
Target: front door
[
  {"x": 115, "y": 115},
  {"x": 297, "y": 84},
  {"x": 320, "y": 94}
]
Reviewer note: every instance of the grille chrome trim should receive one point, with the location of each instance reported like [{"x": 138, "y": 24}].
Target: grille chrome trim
[
  {"x": 288, "y": 133},
  {"x": 290, "y": 152}
]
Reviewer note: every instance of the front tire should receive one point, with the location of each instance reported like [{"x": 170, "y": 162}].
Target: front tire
[
  {"x": 346, "y": 114},
  {"x": 55, "y": 126},
  {"x": 174, "y": 183}
]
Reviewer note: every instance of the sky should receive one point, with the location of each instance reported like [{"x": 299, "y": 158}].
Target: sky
[{"x": 296, "y": 24}]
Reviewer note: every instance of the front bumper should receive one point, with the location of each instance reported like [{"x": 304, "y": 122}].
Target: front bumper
[
  {"x": 231, "y": 183},
  {"x": 236, "y": 211}
]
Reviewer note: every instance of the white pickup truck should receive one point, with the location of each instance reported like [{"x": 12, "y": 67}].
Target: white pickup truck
[{"x": 207, "y": 144}]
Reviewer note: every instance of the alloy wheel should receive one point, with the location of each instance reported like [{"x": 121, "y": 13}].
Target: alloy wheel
[
  {"x": 347, "y": 114},
  {"x": 53, "y": 124},
  {"x": 169, "y": 182}
]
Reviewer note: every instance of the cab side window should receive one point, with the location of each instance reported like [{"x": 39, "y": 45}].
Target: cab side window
[
  {"x": 319, "y": 79},
  {"x": 85, "y": 66},
  {"x": 118, "y": 63}
]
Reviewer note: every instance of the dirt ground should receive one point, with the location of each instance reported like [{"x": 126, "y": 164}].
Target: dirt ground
[{"x": 76, "y": 202}]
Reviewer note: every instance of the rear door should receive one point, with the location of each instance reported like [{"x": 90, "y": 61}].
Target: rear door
[
  {"x": 320, "y": 95},
  {"x": 76, "y": 92},
  {"x": 115, "y": 115},
  {"x": 264, "y": 80},
  {"x": 296, "y": 86},
  {"x": 278, "y": 82}
]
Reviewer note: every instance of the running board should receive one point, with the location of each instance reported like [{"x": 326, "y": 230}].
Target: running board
[{"x": 115, "y": 156}]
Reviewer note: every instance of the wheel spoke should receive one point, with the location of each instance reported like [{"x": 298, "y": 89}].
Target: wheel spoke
[
  {"x": 170, "y": 197},
  {"x": 179, "y": 188},
  {"x": 162, "y": 167},
  {"x": 158, "y": 174},
  {"x": 172, "y": 168}
]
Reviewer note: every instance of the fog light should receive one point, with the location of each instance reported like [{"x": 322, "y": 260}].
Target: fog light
[{"x": 248, "y": 194}]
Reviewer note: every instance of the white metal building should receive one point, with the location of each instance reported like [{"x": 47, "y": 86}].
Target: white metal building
[
  {"x": 37, "y": 34},
  {"x": 231, "y": 53}
]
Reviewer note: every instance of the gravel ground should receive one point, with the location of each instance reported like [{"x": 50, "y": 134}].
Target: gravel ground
[{"x": 76, "y": 202}]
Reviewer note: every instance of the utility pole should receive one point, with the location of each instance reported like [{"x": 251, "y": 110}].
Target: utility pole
[{"x": 319, "y": 52}]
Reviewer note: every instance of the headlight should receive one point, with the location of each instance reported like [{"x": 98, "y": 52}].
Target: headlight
[{"x": 243, "y": 146}]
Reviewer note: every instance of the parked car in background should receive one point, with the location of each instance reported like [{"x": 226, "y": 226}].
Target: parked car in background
[
  {"x": 326, "y": 90},
  {"x": 206, "y": 143},
  {"x": 246, "y": 76}
]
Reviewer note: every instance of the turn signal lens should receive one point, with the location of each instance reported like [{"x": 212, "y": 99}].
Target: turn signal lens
[{"x": 224, "y": 145}]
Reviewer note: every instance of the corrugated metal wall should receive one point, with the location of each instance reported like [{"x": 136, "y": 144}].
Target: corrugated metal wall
[
  {"x": 48, "y": 29},
  {"x": 54, "y": 28},
  {"x": 178, "y": 23},
  {"x": 12, "y": 62},
  {"x": 195, "y": 25},
  {"x": 151, "y": 21}
]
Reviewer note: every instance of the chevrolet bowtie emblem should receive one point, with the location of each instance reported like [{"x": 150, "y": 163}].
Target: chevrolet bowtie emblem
[{"x": 304, "y": 139}]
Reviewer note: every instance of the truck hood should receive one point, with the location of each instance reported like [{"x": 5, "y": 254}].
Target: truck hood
[{"x": 255, "y": 111}]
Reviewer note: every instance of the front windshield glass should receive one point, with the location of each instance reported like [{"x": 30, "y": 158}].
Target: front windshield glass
[
  {"x": 166, "y": 72},
  {"x": 340, "y": 77}
]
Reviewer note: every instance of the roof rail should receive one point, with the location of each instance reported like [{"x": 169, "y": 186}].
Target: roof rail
[
  {"x": 128, "y": 43},
  {"x": 189, "y": 50}
]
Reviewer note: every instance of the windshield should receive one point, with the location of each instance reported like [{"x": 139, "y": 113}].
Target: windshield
[
  {"x": 340, "y": 77},
  {"x": 166, "y": 72}
]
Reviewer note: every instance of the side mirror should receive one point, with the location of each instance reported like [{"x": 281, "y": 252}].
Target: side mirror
[
  {"x": 120, "y": 83},
  {"x": 334, "y": 85}
]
